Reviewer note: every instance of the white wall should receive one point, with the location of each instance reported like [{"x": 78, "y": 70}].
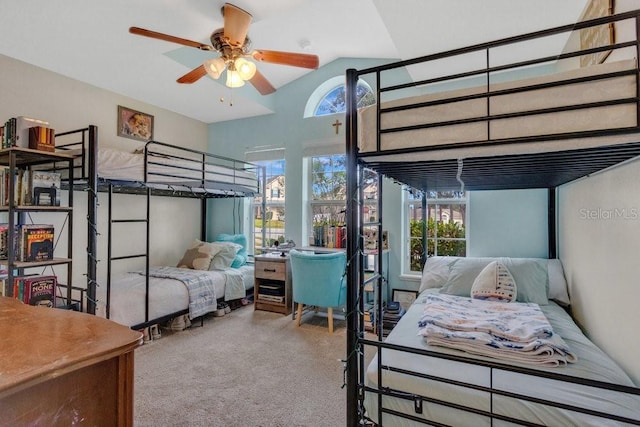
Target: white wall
[
  {"x": 599, "y": 235},
  {"x": 68, "y": 104},
  {"x": 599, "y": 239}
]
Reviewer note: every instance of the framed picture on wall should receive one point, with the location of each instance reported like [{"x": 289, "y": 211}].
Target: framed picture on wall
[
  {"x": 134, "y": 124},
  {"x": 404, "y": 297}
]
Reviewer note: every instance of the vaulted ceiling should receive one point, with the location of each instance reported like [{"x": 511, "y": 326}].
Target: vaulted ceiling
[{"x": 89, "y": 40}]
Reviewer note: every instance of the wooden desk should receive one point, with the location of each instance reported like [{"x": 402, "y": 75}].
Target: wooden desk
[{"x": 62, "y": 368}]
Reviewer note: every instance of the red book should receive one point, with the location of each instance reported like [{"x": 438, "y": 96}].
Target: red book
[{"x": 40, "y": 290}]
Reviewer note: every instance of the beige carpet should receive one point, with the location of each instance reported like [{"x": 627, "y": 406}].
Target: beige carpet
[{"x": 248, "y": 368}]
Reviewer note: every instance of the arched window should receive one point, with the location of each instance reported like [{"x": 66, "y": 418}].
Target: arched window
[{"x": 329, "y": 97}]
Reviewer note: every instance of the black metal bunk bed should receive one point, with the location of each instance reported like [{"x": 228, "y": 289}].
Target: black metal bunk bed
[
  {"x": 163, "y": 170},
  {"x": 486, "y": 157}
]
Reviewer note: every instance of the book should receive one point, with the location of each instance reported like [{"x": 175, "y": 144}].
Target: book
[
  {"x": 22, "y": 126},
  {"x": 4, "y": 235},
  {"x": 42, "y": 138},
  {"x": 270, "y": 298},
  {"x": 45, "y": 188},
  {"x": 39, "y": 290},
  {"x": 37, "y": 242},
  {"x": 275, "y": 290}
]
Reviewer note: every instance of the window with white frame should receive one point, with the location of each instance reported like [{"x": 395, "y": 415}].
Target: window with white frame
[
  {"x": 272, "y": 217},
  {"x": 446, "y": 227},
  {"x": 328, "y": 188}
]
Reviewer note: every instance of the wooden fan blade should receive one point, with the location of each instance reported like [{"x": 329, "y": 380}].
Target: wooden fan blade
[
  {"x": 193, "y": 75},
  {"x": 287, "y": 58},
  {"x": 166, "y": 37},
  {"x": 262, "y": 84},
  {"x": 236, "y": 24}
]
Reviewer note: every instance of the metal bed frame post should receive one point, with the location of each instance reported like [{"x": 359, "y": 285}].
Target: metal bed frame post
[
  {"x": 353, "y": 260},
  {"x": 92, "y": 215},
  {"x": 551, "y": 223}
]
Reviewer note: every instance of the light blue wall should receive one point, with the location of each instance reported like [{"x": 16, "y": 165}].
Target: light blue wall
[
  {"x": 520, "y": 234},
  {"x": 286, "y": 128},
  {"x": 508, "y": 223}
]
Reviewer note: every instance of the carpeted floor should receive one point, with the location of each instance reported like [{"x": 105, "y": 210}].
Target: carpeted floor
[{"x": 248, "y": 368}]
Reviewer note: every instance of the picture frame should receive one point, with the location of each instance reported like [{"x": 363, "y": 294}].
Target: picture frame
[
  {"x": 404, "y": 296},
  {"x": 134, "y": 124}
]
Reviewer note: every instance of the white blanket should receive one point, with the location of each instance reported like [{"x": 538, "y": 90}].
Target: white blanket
[
  {"x": 516, "y": 332},
  {"x": 234, "y": 285}
]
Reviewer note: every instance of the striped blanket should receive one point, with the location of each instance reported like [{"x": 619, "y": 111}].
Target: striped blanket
[
  {"x": 202, "y": 293},
  {"x": 517, "y": 332}
]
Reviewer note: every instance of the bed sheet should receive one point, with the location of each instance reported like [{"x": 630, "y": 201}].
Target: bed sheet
[
  {"x": 592, "y": 363},
  {"x": 166, "y": 295}
]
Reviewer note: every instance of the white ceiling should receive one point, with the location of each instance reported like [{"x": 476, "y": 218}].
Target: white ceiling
[{"x": 88, "y": 40}]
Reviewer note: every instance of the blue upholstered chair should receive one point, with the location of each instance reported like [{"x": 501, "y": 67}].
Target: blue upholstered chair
[{"x": 318, "y": 280}]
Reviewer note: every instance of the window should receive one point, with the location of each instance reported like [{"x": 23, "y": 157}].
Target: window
[
  {"x": 446, "y": 224},
  {"x": 273, "y": 217},
  {"x": 328, "y": 199},
  {"x": 334, "y": 101},
  {"x": 329, "y": 97}
]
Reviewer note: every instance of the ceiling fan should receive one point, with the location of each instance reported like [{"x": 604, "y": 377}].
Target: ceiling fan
[{"x": 234, "y": 46}]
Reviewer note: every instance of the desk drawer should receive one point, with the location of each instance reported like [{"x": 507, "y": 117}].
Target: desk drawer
[{"x": 270, "y": 270}]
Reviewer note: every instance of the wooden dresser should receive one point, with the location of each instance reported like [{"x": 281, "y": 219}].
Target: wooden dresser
[{"x": 62, "y": 368}]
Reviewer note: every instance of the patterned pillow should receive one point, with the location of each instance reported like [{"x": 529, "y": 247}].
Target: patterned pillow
[
  {"x": 199, "y": 255},
  {"x": 494, "y": 283}
]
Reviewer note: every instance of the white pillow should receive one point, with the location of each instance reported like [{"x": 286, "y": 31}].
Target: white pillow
[
  {"x": 436, "y": 272},
  {"x": 224, "y": 257},
  {"x": 557, "y": 283},
  {"x": 494, "y": 283}
]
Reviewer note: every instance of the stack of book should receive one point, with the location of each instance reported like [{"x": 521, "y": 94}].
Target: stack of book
[
  {"x": 15, "y": 133},
  {"x": 39, "y": 188},
  {"x": 271, "y": 292},
  {"x": 33, "y": 289},
  {"x": 390, "y": 316},
  {"x": 34, "y": 242},
  {"x": 330, "y": 236},
  {"x": 368, "y": 318}
]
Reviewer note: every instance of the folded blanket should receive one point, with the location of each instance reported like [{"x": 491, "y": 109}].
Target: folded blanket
[
  {"x": 202, "y": 293},
  {"x": 521, "y": 322},
  {"x": 516, "y": 332}
]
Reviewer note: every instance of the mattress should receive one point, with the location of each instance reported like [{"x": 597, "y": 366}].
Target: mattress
[
  {"x": 167, "y": 296},
  {"x": 592, "y": 363},
  {"x": 162, "y": 170},
  {"x": 501, "y": 127}
]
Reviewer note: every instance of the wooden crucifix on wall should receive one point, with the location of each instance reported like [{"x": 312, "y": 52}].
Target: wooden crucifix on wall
[{"x": 337, "y": 125}]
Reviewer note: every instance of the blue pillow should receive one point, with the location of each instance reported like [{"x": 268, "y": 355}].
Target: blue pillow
[{"x": 240, "y": 239}]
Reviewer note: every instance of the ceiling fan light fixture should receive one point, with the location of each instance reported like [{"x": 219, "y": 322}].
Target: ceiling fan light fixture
[
  {"x": 215, "y": 67},
  {"x": 246, "y": 69},
  {"x": 234, "y": 79}
]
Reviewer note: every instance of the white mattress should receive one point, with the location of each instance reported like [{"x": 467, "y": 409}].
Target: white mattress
[
  {"x": 127, "y": 166},
  {"x": 592, "y": 363},
  {"x": 166, "y": 295},
  {"x": 596, "y": 118}
]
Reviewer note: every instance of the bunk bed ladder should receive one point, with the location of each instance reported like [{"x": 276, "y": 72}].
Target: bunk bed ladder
[{"x": 110, "y": 258}]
